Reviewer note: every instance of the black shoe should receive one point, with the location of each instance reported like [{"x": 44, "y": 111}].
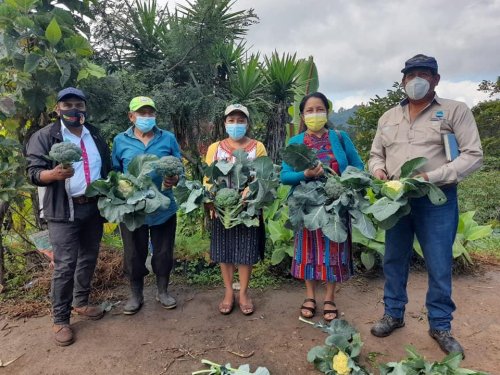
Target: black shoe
[
  {"x": 136, "y": 299},
  {"x": 447, "y": 342},
  {"x": 386, "y": 325}
]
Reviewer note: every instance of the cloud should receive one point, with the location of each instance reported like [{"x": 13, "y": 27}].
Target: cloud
[{"x": 360, "y": 46}]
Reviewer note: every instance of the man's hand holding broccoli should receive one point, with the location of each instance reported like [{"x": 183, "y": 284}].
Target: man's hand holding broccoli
[
  {"x": 65, "y": 153},
  {"x": 169, "y": 182},
  {"x": 169, "y": 167}
]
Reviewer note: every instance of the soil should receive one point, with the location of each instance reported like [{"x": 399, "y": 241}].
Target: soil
[{"x": 158, "y": 341}]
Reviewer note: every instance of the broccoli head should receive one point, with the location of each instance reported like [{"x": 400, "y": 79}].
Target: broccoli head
[
  {"x": 226, "y": 198},
  {"x": 228, "y": 206},
  {"x": 333, "y": 187},
  {"x": 65, "y": 153},
  {"x": 169, "y": 166}
]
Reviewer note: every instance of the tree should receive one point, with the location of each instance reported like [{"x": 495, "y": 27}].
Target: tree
[
  {"x": 43, "y": 50},
  {"x": 490, "y": 87},
  {"x": 182, "y": 59},
  {"x": 365, "y": 119},
  {"x": 282, "y": 74},
  {"x": 487, "y": 115},
  {"x": 12, "y": 183}
]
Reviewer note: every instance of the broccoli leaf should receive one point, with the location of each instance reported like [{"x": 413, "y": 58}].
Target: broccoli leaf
[
  {"x": 410, "y": 167},
  {"x": 299, "y": 157},
  {"x": 142, "y": 165}
]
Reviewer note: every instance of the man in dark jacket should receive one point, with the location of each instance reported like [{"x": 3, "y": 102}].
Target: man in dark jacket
[{"x": 75, "y": 226}]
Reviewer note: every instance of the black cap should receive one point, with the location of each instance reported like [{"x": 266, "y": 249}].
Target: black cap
[
  {"x": 71, "y": 91},
  {"x": 421, "y": 61}
]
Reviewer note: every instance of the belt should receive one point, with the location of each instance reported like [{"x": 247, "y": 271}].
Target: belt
[{"x": 82, "y": 199}]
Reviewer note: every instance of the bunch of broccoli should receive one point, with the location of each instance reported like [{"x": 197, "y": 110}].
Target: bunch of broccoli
[
  {"x": 168, "y": 166},
  {"x": 228, "y": 205},
  {"x": 65, "y": 153}
]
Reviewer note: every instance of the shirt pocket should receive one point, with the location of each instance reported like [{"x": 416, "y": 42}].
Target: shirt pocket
[
  {"x": 431, "y": 134},
  {"x": 389, "y": 133}
]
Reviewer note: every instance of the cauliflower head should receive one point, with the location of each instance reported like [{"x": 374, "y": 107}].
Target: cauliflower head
[
  {"x": 125, "y": 188},
  {"x": 226, "y": 198},
  {"x": 340, "y": 363},
  {"x": 65, "y": 153},
  {"x": 396, "y": 185}
]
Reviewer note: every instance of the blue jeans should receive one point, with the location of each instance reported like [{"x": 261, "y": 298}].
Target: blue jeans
[{"x": 435, "y": 228}]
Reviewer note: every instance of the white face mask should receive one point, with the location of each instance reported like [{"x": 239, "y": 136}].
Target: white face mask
[{"x": 417, "y": 88}]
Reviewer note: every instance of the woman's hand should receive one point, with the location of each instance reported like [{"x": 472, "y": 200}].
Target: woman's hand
[
  {"x": 314, "y": 172},
  {"x": 169, "y": 182},
  {"x": 210, "y": 209},
  {"x": 245, "y": 192}
]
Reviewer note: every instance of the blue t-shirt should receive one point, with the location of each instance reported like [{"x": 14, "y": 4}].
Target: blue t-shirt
[{"x": 126, "y": 146}]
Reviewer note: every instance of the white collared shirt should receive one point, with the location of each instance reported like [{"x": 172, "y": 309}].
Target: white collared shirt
[{"x": 77, "y": 183}]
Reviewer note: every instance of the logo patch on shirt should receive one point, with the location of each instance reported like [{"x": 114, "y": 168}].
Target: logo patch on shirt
[{"x": 438, "y": 115}]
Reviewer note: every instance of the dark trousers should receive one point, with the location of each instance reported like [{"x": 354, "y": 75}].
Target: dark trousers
[
  {"x": 76, "y": 246},
  {"x": 135, "y": 246}
]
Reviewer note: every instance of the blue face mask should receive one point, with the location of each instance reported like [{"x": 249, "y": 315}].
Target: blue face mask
[
  {"x": 236, "y": 131},
  {"x": 145, "y": 124}
]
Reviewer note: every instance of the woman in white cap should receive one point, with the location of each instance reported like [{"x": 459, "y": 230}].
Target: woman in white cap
[{"x": 239, "y": 246}]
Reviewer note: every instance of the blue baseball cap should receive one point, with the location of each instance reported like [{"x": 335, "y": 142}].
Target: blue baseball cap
[
  {"x": 71, "y": 91},
  {"x": 421, "y": 61}
]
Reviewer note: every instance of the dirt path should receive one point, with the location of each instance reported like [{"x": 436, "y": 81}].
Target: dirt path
[{"x": 158, "y": 341}]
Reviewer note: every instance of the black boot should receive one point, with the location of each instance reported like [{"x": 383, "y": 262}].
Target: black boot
[
  {"x": 136, "y": 299},
  {"x": 386, "y": 325},
  {"x": 447, "y": 342},
  {"x": 166, "y": 300}
]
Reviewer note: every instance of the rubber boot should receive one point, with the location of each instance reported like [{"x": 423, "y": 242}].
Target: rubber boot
[
  {"x": 166, "y": 300},
  {"x": 136, "y": 299}
]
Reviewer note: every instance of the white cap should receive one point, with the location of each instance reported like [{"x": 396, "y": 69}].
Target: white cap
[{"x": 237, "y": 107}]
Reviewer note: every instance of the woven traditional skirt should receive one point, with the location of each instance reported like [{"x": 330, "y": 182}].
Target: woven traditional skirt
[
  {"x": 237, "y": 245},
  {"x": 317, "y": 258}
]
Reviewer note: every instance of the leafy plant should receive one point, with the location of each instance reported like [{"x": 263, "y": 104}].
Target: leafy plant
[
  {"x": 416, "y": 364},
  {"x": 393, "y": 202},
  {"x": 373, "y": 246},
  {"x": 340, "y": 354},
  {"x": 276, "y": 217},
  {"x": 129, "y": 197},
  {"x": 320, "y": 204},
  {"x": 468, "y": 230},
  {"x": 257, "y": 178},
  {"x": 216, "y": 369},
  {"x": 45, "y": 46}
]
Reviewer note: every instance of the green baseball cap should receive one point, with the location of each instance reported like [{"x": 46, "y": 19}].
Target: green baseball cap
[{"x": 141, "y": 101}]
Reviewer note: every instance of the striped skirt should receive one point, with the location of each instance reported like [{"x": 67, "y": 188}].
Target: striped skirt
[
  {"x": 317, "y": 258},
  {"x": 237, "y": 245}
]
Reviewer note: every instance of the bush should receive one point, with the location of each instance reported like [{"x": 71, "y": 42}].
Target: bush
[{"x": 479, "y": 192}]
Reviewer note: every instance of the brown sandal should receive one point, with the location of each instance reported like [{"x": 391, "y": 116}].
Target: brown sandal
[
  {"x": 247, "y": 309},
  {"x": 326, "y": 312},
  {"x": 226, "y": 308},
  {"x": 312, "y": 310}
]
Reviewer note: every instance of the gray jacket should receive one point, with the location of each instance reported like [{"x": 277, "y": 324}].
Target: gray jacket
[{"x": 56, "y": 203}]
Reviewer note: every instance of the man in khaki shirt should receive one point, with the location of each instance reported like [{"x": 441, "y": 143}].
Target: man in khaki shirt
[{"x": 412, "y": 129}]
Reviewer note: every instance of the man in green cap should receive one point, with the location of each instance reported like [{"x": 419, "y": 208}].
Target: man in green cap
[{"x": 144, "y": 137}]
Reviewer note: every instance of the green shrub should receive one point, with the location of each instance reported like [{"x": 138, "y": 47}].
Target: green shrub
[{"x": 479, "y": 192}]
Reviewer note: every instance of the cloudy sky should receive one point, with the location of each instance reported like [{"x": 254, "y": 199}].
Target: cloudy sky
[{"x": 360, "y": 46}]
